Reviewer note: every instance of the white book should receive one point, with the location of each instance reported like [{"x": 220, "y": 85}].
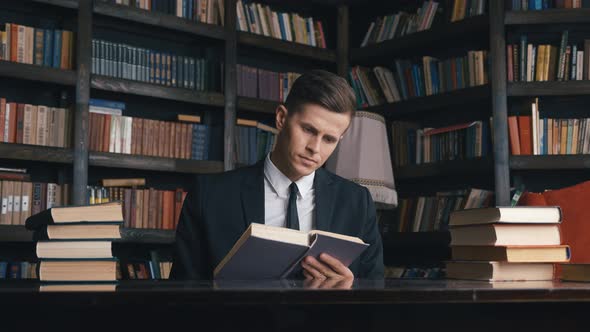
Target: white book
[
  {"x": 580, "y": 66},
  {"x": 6, "y": 123},
  {"x": 128, "y": 132},
  {"x": 242, "y": 24},
  {"x": 534, "y": 126},
  {"x": 366, "y": 38},
  {"x": 287, "y": 26}
]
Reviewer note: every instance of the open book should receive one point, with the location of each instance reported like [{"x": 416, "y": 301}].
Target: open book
[{"x": 270, "y": 252}]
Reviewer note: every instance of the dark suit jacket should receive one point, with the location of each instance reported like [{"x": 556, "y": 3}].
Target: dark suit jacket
[{"x": 219, "y": 208}]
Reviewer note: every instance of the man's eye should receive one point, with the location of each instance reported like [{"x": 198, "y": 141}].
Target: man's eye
[{"x": 307, "y": 129}]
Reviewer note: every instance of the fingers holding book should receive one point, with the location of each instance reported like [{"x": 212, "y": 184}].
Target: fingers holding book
[{"x": 327, "y": 267}]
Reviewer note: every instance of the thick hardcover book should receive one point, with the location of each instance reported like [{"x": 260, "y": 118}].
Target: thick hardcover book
[
  {"x": 500, "y": 271},
  {"x": 269, "y": 252},
  {"x": 506, "y": 214},
  {"x": 75, "y": 249},
  {"x": 107, "y": 212},
  {"x": 512, "y": 254},
  {"x": 82, "y": 270}
]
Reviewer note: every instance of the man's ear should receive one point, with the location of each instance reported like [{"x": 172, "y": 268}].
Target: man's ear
[{"x": 281, "y": 114}]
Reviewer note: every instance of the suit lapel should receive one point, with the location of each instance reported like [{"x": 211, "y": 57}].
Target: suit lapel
[
  {"x": 324, "y": 200},
  {"x": 252, "y": 194}
]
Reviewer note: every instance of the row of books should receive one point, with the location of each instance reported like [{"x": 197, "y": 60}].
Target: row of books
[
  {"x": 531, "y": 135},
  {"x": 527, "y": 62},
  {"x": 137, "y": 136},
  {"x": 151, "y": 66},
  {"x": 264, "y": 84},
  {"x": 21, "y": 199},
  {"x": 405, "y": 23},
  {"x": 545, "y": 4},
  {"x": 204, "y": 11},
  {"x": 431, "y": 213},
  {"x": 144, "y": 270},
  {"x": 414, "y": 145},
  {"x": 506, "y": 243},
  {"x": 253, "y": 141},
  {"x": 18, "y": 270},
  {"x": 143, "y": 207},
  {"x": 38, "y": 46},
  {"x": 378, "y": 85},
  {"x": 400, "y": 24},
  {"x": 262, "y": 20},
  {"x": 34, "y": 124}
]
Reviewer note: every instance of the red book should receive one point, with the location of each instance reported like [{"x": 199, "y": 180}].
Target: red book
[
  {"x": 12, "y": 122},
  {"x": 525, "y": 134},
  {"x": 513, "y": 134}
]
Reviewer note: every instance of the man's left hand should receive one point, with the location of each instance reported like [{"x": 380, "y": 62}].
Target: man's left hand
[{"x": 327, "y": 267}]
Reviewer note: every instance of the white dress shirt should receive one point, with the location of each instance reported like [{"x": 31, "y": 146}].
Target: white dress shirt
[{"x": 276, "y": 198}]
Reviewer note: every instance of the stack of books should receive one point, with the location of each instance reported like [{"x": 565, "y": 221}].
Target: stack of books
[
  {"x": 74, "y": 244},
  {"x": 506, "y": 243}
]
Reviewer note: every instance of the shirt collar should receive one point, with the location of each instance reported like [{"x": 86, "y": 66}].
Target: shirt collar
[{"x": 280, "y": 182}]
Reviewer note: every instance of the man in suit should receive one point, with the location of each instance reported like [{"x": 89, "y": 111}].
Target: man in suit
[{"x": 288, "y": 188}]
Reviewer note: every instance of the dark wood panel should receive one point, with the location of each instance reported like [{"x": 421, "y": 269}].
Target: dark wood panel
[
  {"x": 35, "y": 153},
  {"x": 286, "y": 47},
  {"x": 557, "y": 88},
  {"x": 257, "y": 105},
  {"x": 15, "y": 233},
  {"x": 60, "y": 3},
  {"x": 138, "y": 235},
  {"x": 159, "y": 19},
  {"x": 443, "y": 37},
  {"x": 154, "y": 163},
  {"x": 37, "y": 73},
  {"x": 454, "y": 167},
  {"x": 550, "y": 162},
  {"x": 158, "y": 91},
  {"x": 403, "y": 108},
  {"x": 549, "y": 16}
]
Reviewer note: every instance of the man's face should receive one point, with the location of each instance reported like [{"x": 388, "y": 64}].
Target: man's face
[{"x": 307, "y": 138}]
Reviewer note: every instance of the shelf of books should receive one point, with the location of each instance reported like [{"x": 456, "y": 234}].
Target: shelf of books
[
  {"x": 207, "y": 25},
  {"x": 547, "y": 16},
  {"x": 154, "y": 163},
  {"x": 286, "y": 47},
  {"x": 37, "y": 73},
  {"x": 470, "y": 28},
  {"x": 36, "y": 153}
]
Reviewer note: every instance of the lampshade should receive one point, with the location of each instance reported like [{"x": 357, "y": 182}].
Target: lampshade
[{"x": 363, "y": 156}]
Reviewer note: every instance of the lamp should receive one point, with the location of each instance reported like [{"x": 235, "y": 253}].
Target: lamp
[{"x": 363, "y": 156}]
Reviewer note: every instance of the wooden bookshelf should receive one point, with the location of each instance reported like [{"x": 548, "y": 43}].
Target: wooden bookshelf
[
  {"x": 413, "y": 106},
  {"x": 553, "y": 88},
  {"x": 37, "y": 73},
  {"x": 18, "y": 233},
  {"x": 550, "y": 162},
  {"x": 257, "y": 105},
  {"x": 160, "y": 20},
  {"x": 286, "y": 47},
  {"x": 441, "y": 37},
  {"x": 116, "y": 160},
  {"x": 60, "y": 3},
  {"x": 548, "y": 16},
  {"x": 445, "y": 168},
  {"x": 155, "y": 90},
  {"x": 36, "y": 153}
]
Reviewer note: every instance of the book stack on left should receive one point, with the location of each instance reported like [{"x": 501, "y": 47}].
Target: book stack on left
[
  {"x": 74, "y": 246},
  {"x": 521, "y": 243}
]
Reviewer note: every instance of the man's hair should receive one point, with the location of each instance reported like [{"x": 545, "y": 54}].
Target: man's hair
[{"x": 322, "y": 88}]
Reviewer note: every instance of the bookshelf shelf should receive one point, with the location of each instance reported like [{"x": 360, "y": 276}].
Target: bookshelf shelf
[
  {"x": 398, "y": 110},
  {"x": 550, "y": 162},
  {"x": 37, "y": 73},
  {"x": 286, "y": 47},
  {"x": 160, "y": 20},
  {"x": 18, "y": 233},
  {"x": 139, "y": 235},
  {"x": 454, "y": 167},
  {"x": 417, "y": 239},
  {"x": 548, "y": 16},
  {"x": 35, "y": 153},
  {"x": 60, "y": 3},
  {"x": 557, "y": 88},
  {"x": 154, "y": 90},
  {"x": 257, "y": 105},
  {"x": 117, "y": 160},
  {"x": 470, "y": 29}
]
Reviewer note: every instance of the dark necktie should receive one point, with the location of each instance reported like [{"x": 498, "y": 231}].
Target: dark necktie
[{"x": 292, "y": 217}]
